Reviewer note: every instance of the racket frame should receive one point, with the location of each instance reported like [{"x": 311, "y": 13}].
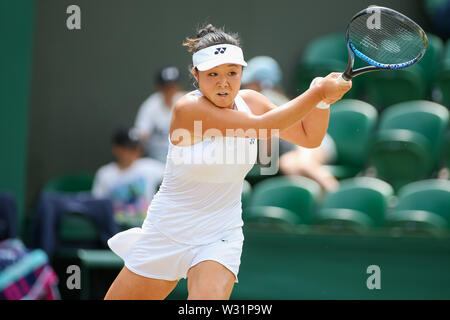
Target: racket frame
[{"x": 349, "y": 73}]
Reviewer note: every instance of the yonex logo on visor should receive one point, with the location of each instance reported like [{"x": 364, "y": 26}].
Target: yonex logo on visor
[
  {"x": 213, "y": 56},
  {"x": 220, "y": 50}
]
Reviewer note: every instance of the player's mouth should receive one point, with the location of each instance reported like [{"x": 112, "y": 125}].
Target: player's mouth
[{"x": 222, "y": 94}]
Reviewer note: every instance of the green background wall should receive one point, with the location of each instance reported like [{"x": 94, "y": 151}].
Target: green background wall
[{"x": 16, "y": 35}]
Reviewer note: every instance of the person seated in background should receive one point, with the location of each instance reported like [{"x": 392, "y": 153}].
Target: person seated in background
[
  {"x": 311, "y": 163},
  {"x": 130, "y": 181},
  {"x": 153, "y": 117},
  {"x": 263, "y": 74}
]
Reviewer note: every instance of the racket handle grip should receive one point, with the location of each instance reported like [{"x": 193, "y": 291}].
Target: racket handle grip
[{"x": 342, "y": 79}]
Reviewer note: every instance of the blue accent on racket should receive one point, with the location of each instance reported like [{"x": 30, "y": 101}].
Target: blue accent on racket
[{"x": 381, "y": 65}]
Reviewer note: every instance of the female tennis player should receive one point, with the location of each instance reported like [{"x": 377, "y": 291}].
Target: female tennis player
[{"x": 193, "y": 227}]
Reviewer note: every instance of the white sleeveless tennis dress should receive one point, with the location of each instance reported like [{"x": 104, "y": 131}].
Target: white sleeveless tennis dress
[{"x": 197, "y": 213}]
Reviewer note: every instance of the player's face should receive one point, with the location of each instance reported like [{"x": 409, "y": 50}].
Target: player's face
[{"x": 220, "y": 84}]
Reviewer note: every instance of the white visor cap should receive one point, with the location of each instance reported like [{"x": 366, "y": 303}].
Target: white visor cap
[{"x": 216, "y": 55}]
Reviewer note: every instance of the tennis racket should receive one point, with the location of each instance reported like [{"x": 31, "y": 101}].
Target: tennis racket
[{"x": 383, "y": 38}]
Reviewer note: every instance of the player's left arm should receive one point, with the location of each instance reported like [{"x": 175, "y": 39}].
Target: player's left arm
[{"x": 308, "y": 132}]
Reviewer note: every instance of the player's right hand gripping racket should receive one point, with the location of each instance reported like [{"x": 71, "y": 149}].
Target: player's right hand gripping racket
[{"x": 385, "y": 39}]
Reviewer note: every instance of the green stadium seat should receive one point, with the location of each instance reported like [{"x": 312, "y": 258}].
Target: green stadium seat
[
  {"x": 352, "y": 123},
  {"x": 408, "y": 143},
  {"x": 296, "y": 194},
  {"x": 76, "y": 182},
  {"x": 359, "y": 204},
  {"x": 443, "y": 78},
  {"x": 401, "y": 156},
  {"x": 387, "y": 87},
  {"x": 431, "y": 62},
  {"x": 323, "y": 55},
  {"x": 256, "y": 175},
  {"x": 246, "y": 193},
  {"x": 271, "y": 218},
  {"x": 423, "y": 208},
  {"x": 446, "y": 151},
  {"x": 77, "y": 228},
  {"x": 443, "y": 85}
]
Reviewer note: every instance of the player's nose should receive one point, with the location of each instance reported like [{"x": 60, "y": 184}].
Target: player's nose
[{"x": 222, "y": 82}]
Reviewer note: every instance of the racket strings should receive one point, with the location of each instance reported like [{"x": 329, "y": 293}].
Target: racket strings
[
  {"x": 406, "y": 40},
  {"x": 390, "y": 40},
  {"x": 388, "y": 47},
  {"x": 389, "y": 30}
]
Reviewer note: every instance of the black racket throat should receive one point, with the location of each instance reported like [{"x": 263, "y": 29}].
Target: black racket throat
[{"x": 349, "y": 73}]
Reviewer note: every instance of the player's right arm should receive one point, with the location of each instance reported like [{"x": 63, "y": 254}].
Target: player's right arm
[{"x": 191, "y": 109}]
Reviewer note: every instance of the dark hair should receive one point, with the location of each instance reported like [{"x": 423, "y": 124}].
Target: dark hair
[
  {"x": 126, "y": 137},
  {"x": 208, "y": 35}
]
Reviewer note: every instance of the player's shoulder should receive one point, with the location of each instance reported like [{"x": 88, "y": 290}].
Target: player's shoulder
[
  {"x": 248, "y": 94},
  {"x": 180, "y": 97},
  {"x": 191, "y": 102},
  {"x": 256, "y": 101},
  {"x": 188, "y": 97},
  {"x": 252, "y": 95}
]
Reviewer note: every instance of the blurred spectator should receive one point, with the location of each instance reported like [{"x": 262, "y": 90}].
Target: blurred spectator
[
  {"x": 153, "y": 117},
  {"x": 263, "y": 74},
  {"x": 310, "y": 163},
  {"x": 25, "y": 273},
  {"x": 130, "y": 181}
]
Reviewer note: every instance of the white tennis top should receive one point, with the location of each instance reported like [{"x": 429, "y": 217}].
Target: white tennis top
[{"x": 199, "y": 200}]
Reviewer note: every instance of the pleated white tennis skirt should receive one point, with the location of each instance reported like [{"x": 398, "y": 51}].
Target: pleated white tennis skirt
[{"x": 152, "y": 254}]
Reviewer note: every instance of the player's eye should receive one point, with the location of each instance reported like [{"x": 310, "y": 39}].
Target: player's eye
[{"x": 212, "y": 74}]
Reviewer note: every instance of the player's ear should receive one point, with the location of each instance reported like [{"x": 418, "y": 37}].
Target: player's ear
[{"x": 195, "y": 73}]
